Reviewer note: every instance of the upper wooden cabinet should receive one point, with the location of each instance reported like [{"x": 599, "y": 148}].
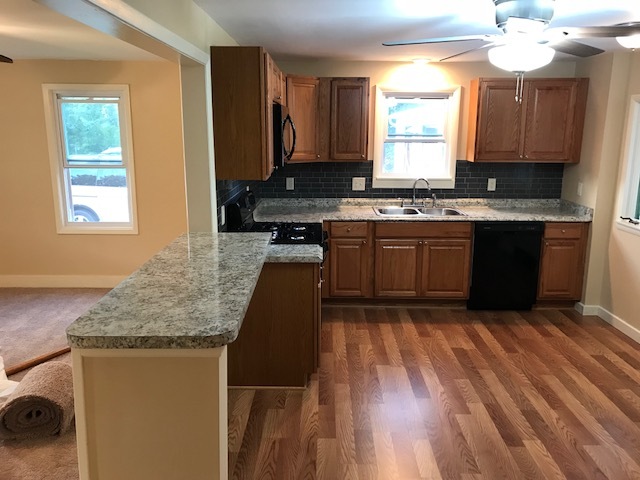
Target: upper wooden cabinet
[
  {"x": 302, "y": 101},
  {"x": 349, "y": 123},
  {"x": 331, "y": 117},
  {"x": 245, "y": 85},
  {"x": 276, "y": 82},
  {"x": 545, "y": 127}
]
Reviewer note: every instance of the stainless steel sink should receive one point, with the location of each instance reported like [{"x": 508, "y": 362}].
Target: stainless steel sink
[
  {"x": 415, "y": 211},
  {"x": 440, "y": 211},
  {"x": 395, "y": 211}
]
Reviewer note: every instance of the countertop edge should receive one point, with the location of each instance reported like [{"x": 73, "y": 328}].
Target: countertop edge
[{"x": 179, "y": 340}]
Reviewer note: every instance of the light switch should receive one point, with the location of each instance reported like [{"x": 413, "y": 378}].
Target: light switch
[{"x": 290, "y": 185}]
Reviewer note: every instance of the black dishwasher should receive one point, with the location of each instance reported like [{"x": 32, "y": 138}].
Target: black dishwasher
[{"x": 506, "y": 258}]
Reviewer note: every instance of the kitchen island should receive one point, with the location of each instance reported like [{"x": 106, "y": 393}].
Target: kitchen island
[{"x": 150, "y": 361}]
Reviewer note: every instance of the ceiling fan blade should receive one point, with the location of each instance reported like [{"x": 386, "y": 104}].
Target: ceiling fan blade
[
  {"x": 466, "y": 51},
  {"x": 463, "y": 38},
  {"x": 575, "y": 48},
  {"x": 623, "y": 30},
  {"x": 5, "y": 59}
]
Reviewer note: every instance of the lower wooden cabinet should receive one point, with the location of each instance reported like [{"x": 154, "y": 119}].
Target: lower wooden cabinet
[
  {"x": 279, "y": 339},
  {"x": 432, "y": 260},
  {"x": 349, "y": 259},
  {"x": 562, "y": 263},
  {"x": 397, "y": 268},
  {"x": 446, "y": 268},
  {"x": 423, "y": 260}
]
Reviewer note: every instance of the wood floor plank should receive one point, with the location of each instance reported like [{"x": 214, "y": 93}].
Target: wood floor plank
[
  {"x": 544, "y": 460},
  {"x": 493, "y": 456},
  {"x": 449, "y": 394},
  {"x": 529, "y": 470},
  {"x": 426, "y": 461},
  {"x": 327, "y": 459}
]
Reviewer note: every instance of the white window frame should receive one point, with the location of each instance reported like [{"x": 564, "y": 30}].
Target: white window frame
[
  {"x": 57, "y": 161},
  {"x": 450, "y": 134},
  {"x": 630, "y": 179}
]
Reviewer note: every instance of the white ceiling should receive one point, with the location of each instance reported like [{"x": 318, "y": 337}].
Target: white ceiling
[
  {"x": 31, "y": 31},
  {"x": 309, "y": 29},
  {"x": 355, "y": 29}
]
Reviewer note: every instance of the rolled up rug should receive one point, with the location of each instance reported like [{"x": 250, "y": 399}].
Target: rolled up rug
[{"x": 41, "y": 405}]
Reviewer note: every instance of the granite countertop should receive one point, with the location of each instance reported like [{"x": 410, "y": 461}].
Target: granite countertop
[
  {"x": 476, "y": 210},
  {"x": 295, "y": 254},
  {"x": 193, "y": 294}
]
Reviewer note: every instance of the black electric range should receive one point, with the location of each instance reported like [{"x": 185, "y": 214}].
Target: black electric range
[{"x": 240, "y": 219}]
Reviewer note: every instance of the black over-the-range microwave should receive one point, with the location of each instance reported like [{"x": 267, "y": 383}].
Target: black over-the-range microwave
[{"x": 284, "y": 135}]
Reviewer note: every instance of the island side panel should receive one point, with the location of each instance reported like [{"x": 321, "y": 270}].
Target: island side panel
[{"x": 154, "y": 413}]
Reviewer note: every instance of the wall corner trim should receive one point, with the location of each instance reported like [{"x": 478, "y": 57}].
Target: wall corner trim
[
  {"x": 60, "y": 281},
  {"x": 613, "y": 320},
  {"x": 583, "y": 309}
]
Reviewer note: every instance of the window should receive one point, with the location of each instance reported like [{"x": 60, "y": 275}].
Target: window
[
  {"x": 416, "y": 136},
  {"x": 630, "y": 200},
  {"x": 90, "y": 149}
]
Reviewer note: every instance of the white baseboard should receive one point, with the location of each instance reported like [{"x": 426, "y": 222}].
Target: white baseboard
[
  {"x": 613, "y": 320},
  {"x": 60, "y": 281},
  {"x": 587, "y": 309}
]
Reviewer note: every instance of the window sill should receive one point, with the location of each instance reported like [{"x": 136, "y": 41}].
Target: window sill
[
  {"x": 625, "y": 226},
  {"x": 105, "y": 229}
]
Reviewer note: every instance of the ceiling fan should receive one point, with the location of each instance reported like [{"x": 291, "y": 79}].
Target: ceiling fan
[
  {"x": 4, "y": 59},
  {"x": 524, "y": 23}
]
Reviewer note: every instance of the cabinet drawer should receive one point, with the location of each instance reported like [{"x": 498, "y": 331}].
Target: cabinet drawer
[
  {"x": 563, "y": 230},
  {"x": 423, "y": 229},
  {"x": 348, "y": 229}
]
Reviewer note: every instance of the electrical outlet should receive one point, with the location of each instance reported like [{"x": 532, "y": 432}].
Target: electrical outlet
[
  {"x": 357, "y": 184},
  {"x": 223, "y": 215},
  {"x": 491, "y": 185},
  {"x": 579, "y": 189},
  {"x": 290, "y": 183}
]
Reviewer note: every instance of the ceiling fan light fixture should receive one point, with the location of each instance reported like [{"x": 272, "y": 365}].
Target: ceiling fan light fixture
[
  {"x": 528, "y": 26},
  {"x": 632, "y": 41},
  {"x": 521, "y": 57}
]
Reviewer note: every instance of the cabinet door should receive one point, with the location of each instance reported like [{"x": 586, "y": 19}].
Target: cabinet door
[
  {"x": 349, "y": 262},
  {"x": 242, "y": 116},
  {"x": 445, "y": 268},
  {"x": 500, "y": 122},
  {"x": 302, "y": 100},
  {"x": 396, "y": 268},
  {"x": 349, "y": 123},
  {"x": 561, "y": 270},
  {"x": 551, "y": 120},
  {"x": 274, "y": 81},
  {"x": 281, "y": 326}
]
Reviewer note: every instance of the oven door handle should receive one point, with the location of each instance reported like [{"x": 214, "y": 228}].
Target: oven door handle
[{"x": 289, "y": 153}]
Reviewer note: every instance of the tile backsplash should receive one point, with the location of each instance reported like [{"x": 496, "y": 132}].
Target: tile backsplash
[{"x": 333, "y": 180}]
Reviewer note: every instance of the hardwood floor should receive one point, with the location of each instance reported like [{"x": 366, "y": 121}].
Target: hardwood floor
[{"x": 422, "y": 393}]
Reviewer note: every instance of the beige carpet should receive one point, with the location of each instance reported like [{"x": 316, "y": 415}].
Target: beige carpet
[
  {"x": 33, "y": 320},
  {"x": 32, "y": 323}
]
